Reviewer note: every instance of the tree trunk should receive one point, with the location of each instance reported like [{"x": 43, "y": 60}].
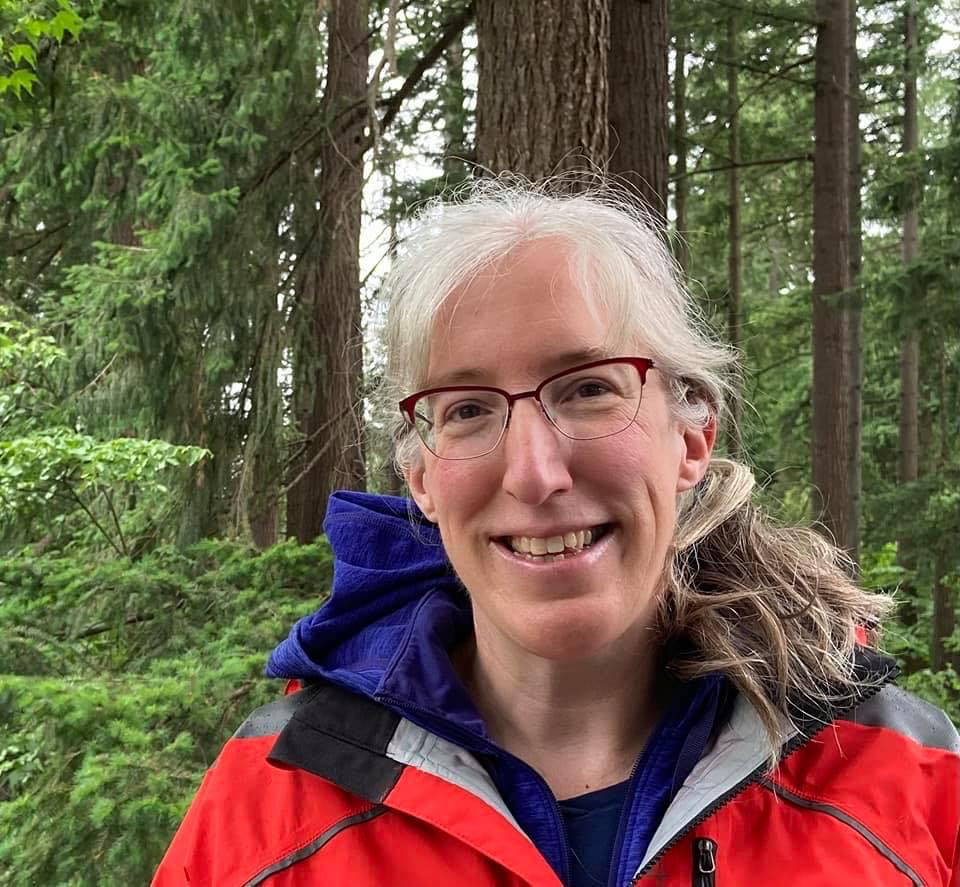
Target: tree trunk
[
  {"x": 681, "y": 187},
  {"x": 910, "y": 343},
  {"x": 831, "y": 270},
  {"x": 454, "y": 116},
  {"x": 944, "y": 602},
  {"x": 944, "y": 617},
  {"x": 855, "y": 303},
  {"x": 262, "y": 456},
  {"x": 327, "y": 353},
  {"x": 639, "y": 89},
  {"x": 542, "y": 86},
  {"x": 734, "y": 258}
]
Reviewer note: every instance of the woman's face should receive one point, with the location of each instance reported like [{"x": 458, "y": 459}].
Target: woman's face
[{"x": 512, "y": 327}]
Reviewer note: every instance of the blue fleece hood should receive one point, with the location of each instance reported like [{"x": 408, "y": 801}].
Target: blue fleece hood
[{"x": 395, "y": 610}]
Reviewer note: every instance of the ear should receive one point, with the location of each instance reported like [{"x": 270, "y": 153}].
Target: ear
[
  {"x": 698, "y": 441},
  {"x": 417, "y": 481}
]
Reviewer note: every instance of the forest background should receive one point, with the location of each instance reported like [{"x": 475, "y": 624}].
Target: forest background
[{"x": 197, "y": 204}]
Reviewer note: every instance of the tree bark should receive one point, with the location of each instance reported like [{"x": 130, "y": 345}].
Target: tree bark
[
  {"x": 831, "y": 269},
  {"x": 944, "y": 600},
  {"x": 944, "y": 618},
  {"x": 855, "y": 303},
  {"x": 542, "y": 86},
  {"x": 681, "y": 188},
  {"x": 262, "y": 456},
  {"x": 327, "y": 352},
  {"x": 454, "y": 117},
  {"x": 734, "y": 257},
  {"x": 639, "y": 90},
  {"x": 910, "y": 343}
]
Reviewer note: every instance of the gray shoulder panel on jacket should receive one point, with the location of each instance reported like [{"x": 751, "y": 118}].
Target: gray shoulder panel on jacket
[
  {"x": 270, "y": 719},
  {"x": 909, "y": 716}
]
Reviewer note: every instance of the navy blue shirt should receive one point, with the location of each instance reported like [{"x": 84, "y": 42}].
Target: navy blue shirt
[{"x": 592, "y": 821}]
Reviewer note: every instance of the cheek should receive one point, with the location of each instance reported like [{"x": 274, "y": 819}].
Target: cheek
[
  {"x": 642, "y": 477},
  {"x": 459, "y": 490}
]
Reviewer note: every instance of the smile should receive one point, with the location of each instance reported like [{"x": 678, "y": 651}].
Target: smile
[{"x": 554, "y": 548}]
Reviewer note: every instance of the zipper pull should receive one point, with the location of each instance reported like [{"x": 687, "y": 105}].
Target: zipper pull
[{"x": 704, "y": 862}]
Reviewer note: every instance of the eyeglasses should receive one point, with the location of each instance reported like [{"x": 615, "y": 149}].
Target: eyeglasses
[{"x": 590, "y": 401}]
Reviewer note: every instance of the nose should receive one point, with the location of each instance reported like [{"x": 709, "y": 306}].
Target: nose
[{"x": 537, "y": 456}]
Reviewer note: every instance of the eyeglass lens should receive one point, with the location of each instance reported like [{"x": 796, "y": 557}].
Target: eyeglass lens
[{"x": 583, "y": 404}]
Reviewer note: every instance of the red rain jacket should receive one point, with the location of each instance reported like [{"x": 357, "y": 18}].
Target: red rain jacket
[{"x": 328, "y": 788}]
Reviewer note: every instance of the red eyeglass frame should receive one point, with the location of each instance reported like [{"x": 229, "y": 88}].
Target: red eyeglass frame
[{"x": 407, "y": 406}]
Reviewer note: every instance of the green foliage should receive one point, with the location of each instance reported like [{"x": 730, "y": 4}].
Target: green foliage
[
  {"x": 119, "y": 682},
  {"x": 145, "y": 217},
  {"x": 27, "y": 29},
  {"x": 49, "y": 472}
]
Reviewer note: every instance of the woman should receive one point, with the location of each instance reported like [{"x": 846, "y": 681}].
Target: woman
[{"x": 582, "y": 657}]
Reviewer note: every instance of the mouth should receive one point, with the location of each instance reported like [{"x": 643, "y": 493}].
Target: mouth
[{"x": 554, "y": 548}]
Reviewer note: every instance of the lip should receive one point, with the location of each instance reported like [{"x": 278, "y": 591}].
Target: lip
[{"x": 586, "y": 558}]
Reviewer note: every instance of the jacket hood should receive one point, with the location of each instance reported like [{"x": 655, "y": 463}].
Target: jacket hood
[{"x": 395, "y": 609}]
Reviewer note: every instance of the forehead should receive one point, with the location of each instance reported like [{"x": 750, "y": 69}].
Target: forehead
[{"x": 534, "y": 310}]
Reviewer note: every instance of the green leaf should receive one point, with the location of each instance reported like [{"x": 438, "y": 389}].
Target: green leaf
[
  {"x": 19, "y": 79},
  {"x": 63, "y": 21},
  {"x": 36, "y": 27},
  {"x": 21, "y": 51}
]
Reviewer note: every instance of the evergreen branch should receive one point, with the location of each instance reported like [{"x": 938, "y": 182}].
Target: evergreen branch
[
  {"x": 236, "y": 695},
  {"x": 306, "y": 469},
  {"x": 300, "y": 451},
  {"x": 96, "y": 379},
  {"x": 769, "y": 161},
  {"x": 93, "y": 518},
  {"x": 722, "y": 122},
  {"x": 785, "y": 220},
  {"x": 116, "y": 521},
  {"x": 45, "y": 263},
  {"x": 774, "y": 366},
  {"x": 767, "y": 13},
  {"x": 777, "y": 74},
  {"x": 451, "y": 30},
  {"x": 43, "y": 235},
  {"x": 349, "y": 115},
  {"x": 304, "y": 445},
  {"x": 102, "y": 627}
]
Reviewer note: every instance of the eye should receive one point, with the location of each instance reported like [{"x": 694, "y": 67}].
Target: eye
[
  {"x": 591, "y": 388},
  {"x": 585, "y": 389},
  {"x": 464, "y": 412}
]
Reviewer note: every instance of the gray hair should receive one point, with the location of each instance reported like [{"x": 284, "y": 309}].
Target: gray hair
[{"x": 775, "y": 608}]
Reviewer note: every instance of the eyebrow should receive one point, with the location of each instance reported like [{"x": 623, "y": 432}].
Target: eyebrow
[{"x": 555, "y": 363}]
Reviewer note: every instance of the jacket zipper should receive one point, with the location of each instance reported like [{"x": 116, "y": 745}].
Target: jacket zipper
[
  {"x": 622, "y": 828},
  {"x": 704, "y": 862},
  {"x": 788, "y": 749}
]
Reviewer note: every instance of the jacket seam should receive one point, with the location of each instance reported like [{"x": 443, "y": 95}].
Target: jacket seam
[
  {"x": 837, "y": 813},
  {"x": 814, "y": 801},
  {"x": 307, "y": 850}
]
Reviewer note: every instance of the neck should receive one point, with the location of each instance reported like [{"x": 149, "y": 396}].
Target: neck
[{"x": 581, "y": 724}]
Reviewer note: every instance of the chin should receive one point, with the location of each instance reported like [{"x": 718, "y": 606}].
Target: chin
[{"x": 568, "y": 636}]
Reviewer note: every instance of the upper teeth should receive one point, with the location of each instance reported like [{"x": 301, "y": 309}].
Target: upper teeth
[{"x": 551, "y": 544}]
